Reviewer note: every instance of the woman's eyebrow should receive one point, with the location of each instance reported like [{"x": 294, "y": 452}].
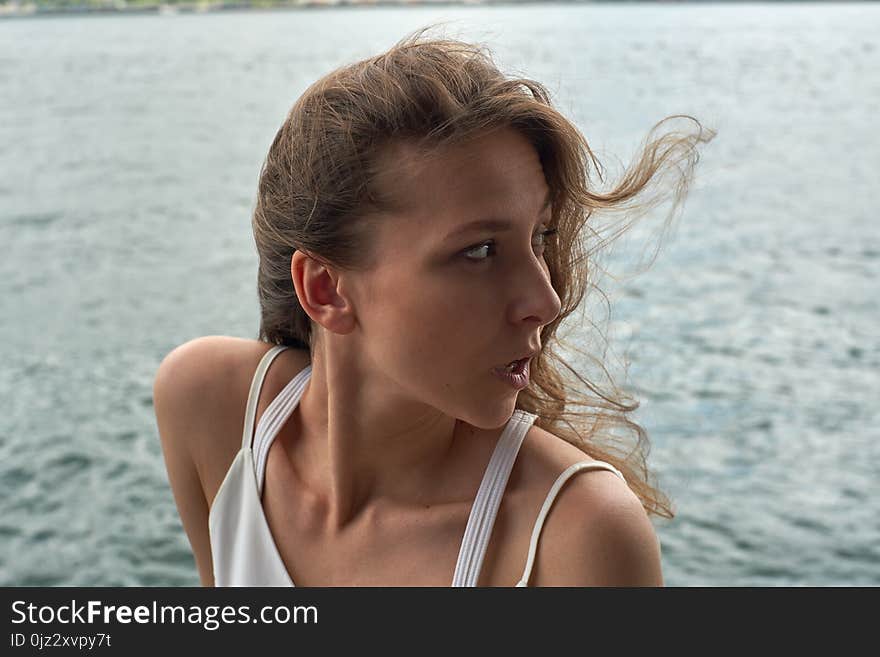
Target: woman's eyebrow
[{"x": 498, "y": 225}]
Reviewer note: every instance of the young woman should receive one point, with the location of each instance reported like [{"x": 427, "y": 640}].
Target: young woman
[{"x": 405, "y": 419}]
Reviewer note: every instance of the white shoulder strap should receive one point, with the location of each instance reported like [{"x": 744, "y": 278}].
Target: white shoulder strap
[
  {"x": 485, "y": 507},
  {"x": 548, "y": 502},
  {"x": 254, "y": 394}
]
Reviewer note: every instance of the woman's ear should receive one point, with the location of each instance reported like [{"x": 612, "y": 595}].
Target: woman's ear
[{"x": 319, "y": 292}]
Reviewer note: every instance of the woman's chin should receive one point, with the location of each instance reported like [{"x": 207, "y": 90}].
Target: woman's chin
[{"x": 487, "y": 421}]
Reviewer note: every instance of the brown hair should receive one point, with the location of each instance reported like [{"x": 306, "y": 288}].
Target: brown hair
[{"x": 319, "y": 189}]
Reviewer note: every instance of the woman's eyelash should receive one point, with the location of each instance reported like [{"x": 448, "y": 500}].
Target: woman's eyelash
[{"x": 549, "y": 232}]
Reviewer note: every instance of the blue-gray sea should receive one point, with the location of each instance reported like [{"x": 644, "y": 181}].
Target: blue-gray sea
[{"x": 130, "y": 148}]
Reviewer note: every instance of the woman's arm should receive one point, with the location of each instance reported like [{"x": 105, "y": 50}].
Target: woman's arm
[{"x": 179, "y": 395}]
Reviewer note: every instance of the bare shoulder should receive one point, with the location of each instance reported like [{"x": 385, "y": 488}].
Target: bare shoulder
[
  {"x": 196, "y": 394},
  {"x": 596, "y": 532},
  {"x": 200, "y": 395},
  {"x": 196, "y": 368},
  {"x": 205, "y": 374}
]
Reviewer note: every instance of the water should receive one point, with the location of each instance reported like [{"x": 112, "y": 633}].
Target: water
[{"x": 129, "y": 153}]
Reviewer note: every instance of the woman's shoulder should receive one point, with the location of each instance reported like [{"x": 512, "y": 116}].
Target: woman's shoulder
[
  {"x": 198, "y": 365},
  {"x": 544, "y": 456},
  {"x": 200, "y": 378},
  {"x": 596, "y": 532},
  {"x": 201, "y": 389},
  {"x": 216, "y": 368}
]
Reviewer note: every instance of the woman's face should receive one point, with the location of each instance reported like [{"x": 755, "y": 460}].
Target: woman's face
[{"x": 449, "y": 301}]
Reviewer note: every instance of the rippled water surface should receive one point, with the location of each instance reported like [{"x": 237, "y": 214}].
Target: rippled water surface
[{"x": 129, "y": 153}]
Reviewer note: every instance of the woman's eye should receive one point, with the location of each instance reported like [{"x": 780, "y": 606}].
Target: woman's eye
[
  {"x": 544, "y": 235},
  {"x": 486, "y": 245}
]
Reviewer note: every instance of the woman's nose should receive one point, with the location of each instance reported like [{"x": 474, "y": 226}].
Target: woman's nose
[{"x": 535, "y": 295}]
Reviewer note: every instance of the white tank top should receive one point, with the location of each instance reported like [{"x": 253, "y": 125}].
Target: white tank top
[{"x": 242, "y": 547}]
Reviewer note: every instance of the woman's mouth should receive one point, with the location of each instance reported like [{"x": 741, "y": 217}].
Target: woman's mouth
[
  {"x": 515, "y": 373},
  {"x": 515, "y": 366}
]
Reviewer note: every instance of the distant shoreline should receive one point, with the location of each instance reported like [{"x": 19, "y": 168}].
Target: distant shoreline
[
  {"x": 17, "y": 9},
  {"x": 30, "y": 9}
]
